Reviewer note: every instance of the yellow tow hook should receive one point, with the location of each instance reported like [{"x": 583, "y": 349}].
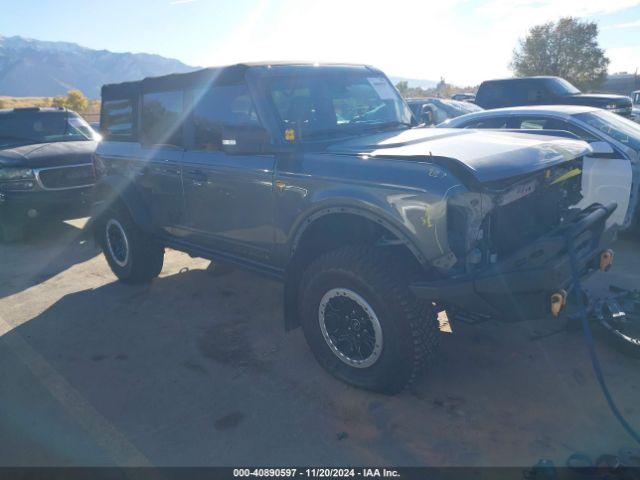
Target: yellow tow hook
[
  {"x": 606, "y": 260},
  {"x": 558, "y": 301}
]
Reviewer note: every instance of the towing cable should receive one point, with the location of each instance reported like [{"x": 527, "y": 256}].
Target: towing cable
[{"x": 588, "y": 336}]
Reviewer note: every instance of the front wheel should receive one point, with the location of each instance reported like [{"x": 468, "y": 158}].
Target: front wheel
[
  {"x": 134, "y": 257},
  {"x": 362, "y": 322}
]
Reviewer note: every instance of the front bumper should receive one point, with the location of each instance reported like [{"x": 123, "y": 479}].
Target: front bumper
[
  {"x": 520, "y": 287},
  {"x": 23, "y": 206}
]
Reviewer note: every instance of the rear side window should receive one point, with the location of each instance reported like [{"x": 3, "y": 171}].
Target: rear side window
[
  {"x": 491, "y": 94},
  {"x": 117, "y": 119},
  {"x": 546, "y": 123},
  {"x": 498, "y": 122},
  {"x": 162, "y": 117},
  {"x": 224, "y": 114}
]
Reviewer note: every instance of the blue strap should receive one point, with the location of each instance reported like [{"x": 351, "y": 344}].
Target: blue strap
[{"x": 588, "y": 337}]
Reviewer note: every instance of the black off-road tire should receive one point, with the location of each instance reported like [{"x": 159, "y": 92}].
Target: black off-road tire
[
  {"x": 409, "y": 325},
  {"x": 145, "y": 256}
]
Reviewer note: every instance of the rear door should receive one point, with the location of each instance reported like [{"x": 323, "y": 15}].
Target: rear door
[
  {"x": 161, "y": 152},
  {"x": 228, "y": 194}
]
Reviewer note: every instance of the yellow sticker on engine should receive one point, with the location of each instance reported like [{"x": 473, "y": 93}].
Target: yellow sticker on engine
[
  {"x": 570, "y": 174},
  {"x": 289, "y": 134}
]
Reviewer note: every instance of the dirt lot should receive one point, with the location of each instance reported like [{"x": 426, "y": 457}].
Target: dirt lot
[{"x": 196, "y": 369}]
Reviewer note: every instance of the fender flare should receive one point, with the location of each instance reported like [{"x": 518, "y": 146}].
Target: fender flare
[
  {"x": 293, "y": 271},
  {"x": 111, "y": 190},
  {"x": 375, "y": 216}
]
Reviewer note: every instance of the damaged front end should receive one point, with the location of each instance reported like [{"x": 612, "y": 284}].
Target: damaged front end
[{"x": 507, "y": 243}]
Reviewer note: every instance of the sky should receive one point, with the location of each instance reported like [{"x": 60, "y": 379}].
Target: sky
[{"x": 464, "y": 41}]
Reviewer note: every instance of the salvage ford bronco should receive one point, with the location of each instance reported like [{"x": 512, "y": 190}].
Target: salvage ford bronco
[{"x": 315, "y": 175}]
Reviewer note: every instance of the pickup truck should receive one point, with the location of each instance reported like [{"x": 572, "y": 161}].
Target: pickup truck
[
  {"x": 315, "y": 175},
  {"x": 515, "y": 92}
]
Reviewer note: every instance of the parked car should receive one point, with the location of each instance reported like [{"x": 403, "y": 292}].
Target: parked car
[
  {"x": 635, "y": 109},
  {"x": 432, "y": 111},
  {"x": 464, "y": 97},
  {"x": 513, "y": 92},
  {"x": 314, "y": 175},
  {"x": 45, "y": 167},
  {"x": 610, "y": 174}
]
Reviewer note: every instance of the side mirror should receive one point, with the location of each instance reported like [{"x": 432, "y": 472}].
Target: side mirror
[
  {"x": 426, "y": 116},
  {"x": 601, "y": 148}
]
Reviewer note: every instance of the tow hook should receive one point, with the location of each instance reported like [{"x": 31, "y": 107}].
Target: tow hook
[
  {"x": 558, "y": 302},
  {"x": 606, "y": 260}
]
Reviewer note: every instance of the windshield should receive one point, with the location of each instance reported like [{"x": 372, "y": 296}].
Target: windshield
[
  {"x": 619, "y": 128},
  {"x": 329, "y": 104},
  {"x": 559, "y": 86},
  {"x": 26, "y": 128}
]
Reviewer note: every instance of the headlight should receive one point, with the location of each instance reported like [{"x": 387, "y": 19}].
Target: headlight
[{"x": 11, "y": 173}]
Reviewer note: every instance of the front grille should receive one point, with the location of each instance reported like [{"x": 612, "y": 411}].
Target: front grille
[
  {"x": 521, "y": 222},
  {"x": 66, "y": 177}
]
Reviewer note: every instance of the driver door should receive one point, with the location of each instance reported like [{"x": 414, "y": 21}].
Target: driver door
[{"x": 228, "y": 193}]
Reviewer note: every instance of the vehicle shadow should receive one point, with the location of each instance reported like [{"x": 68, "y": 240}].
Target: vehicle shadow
[
  {"x": 196, "y": 369},
  {"x": 49, "y": 249}
]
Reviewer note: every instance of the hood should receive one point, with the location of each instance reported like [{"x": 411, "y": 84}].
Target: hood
[
  {"x": 486, "y": 155},
  {"x": 48, "y": 154},
  {"x": 598, "y": 99}
]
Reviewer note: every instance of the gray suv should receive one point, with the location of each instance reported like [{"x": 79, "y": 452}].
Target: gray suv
[{"x": 314, "y": 175}]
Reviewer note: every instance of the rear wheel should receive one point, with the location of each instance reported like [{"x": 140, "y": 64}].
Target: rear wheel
[
  {"x": 361, "y": 321},
  {"x": 134, "y": 257}
]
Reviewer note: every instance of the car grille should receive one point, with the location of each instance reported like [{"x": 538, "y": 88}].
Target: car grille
[
  {"x": 515, "y": 225},
  {"x": 66, "y": 177}
]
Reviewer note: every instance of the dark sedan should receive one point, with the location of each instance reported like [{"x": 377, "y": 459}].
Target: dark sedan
[{"x": 45, "y": 167}]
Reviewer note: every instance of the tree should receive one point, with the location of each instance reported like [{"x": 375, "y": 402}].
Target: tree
[
  {"x": 76, "y": 101},
  {"x": 58, "y": 102},
  {"x": 403, "y": 87},
  {"x": 568, "y": 49}
]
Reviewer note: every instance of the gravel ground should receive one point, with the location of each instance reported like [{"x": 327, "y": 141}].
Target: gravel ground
[{"x": 196, "y": 369}]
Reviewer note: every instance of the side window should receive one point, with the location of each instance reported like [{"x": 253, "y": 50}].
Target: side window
[
  {"x": 497, "y": 122},
  {"x": 579, "y": 132},
  {"x": 224, "y": 114},
  {"x": 162, "y": 118},
  {"x": 532, "y": 123},
  {"x": 116, "y": 120},
  {"x": 534, "y": 92},
  {"x": 495, "y": 94},
  {"x": 295, "y": 105},
  {"x": 515, "y": 92},
  {"x": 541, "y": 123}
]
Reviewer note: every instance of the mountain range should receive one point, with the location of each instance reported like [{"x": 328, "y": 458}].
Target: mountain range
[
  {"x": 36, "y": 68},
  {"x": 31, "y": 68}
]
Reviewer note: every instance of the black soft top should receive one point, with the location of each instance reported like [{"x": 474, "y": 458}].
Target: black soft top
[{"x": 205, "y": 77}]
